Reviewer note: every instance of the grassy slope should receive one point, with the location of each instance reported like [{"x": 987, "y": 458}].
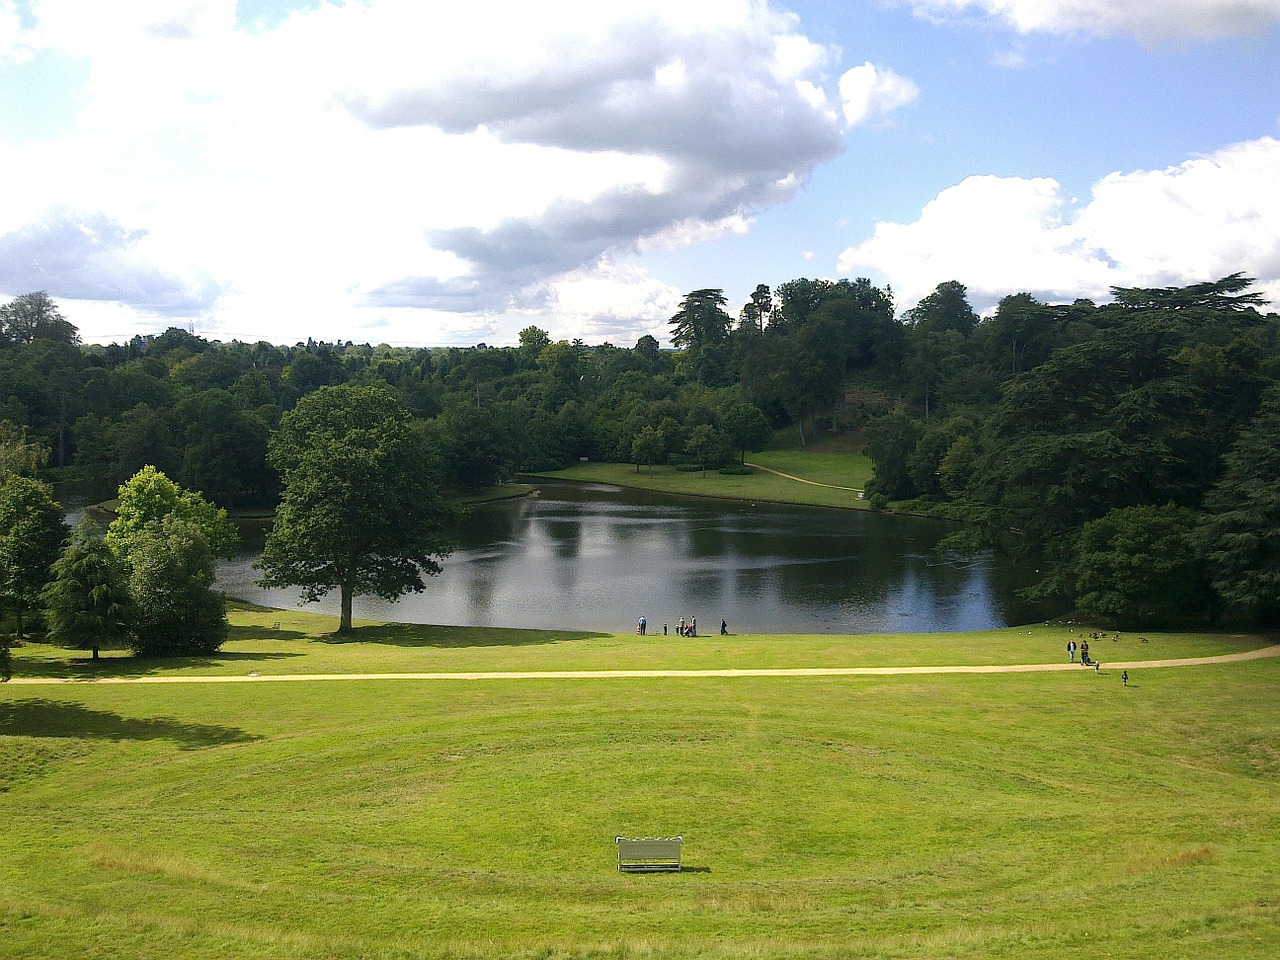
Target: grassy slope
[
  {"x": 760, "y": 486},
  {"x": 832, "y": 462},
  {"x": 1022, "y": 815}
]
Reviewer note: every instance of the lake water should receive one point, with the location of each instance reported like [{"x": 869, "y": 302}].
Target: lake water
[{"x": 597, "y": 557}]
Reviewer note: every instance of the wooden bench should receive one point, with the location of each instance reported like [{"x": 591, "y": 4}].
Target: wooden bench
[{"x": 649, "y": 854}]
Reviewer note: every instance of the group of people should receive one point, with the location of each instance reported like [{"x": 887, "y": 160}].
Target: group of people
[
  {"x": 684, "y": 628},
  {"x": 1084, "y": 652}
]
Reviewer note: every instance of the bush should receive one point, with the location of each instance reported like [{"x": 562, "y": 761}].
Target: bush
[
  {"x": 688, "y": 467},
  {"x": 736, "y": 471}
]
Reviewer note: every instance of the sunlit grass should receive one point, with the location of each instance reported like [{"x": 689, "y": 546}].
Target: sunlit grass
[
  {"x": 273, "y": 642},
  {"x": 760, "y": 486},
  {"x": 839, "y": 469},
  {"x": 1051, "y": 815}
]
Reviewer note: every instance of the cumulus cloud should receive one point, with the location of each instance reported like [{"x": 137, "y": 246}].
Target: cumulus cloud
[
  {"x": 456, "y": 159},
  {"x": 715, "y": 122},
  {"x": 869, "y": 92},
  {"x": 1150, "y": 20},
  {"x": 91, "y": 257},
  {"x": 1201, "y": 220}
]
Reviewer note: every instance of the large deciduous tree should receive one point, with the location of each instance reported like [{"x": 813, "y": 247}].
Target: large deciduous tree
[
  {"x": 746, "y": 427},
  {"x": 149, "y": 497},
  {"x": 177, "y": 610},
  {"x": 362, "y": 510},
  {"x": 34, "y": 316}
]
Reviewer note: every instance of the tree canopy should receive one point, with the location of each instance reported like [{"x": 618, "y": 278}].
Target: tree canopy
[
  {"x": 362, "y": 509},
  {"x": 31, "y": 533}
]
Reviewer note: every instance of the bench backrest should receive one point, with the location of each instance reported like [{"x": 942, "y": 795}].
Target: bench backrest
[{"x": 649, "y": 853}]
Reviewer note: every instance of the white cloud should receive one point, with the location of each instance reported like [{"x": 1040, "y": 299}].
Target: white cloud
[
  {"x": 1201, "y": 220},
  {"x": 614, "y": 302},
  {"x": 1149, "y": 20},
  {"x": 371, "y": 163},
  {"x": 869, "y": 92},
  {"x": 10, "y": 32}
]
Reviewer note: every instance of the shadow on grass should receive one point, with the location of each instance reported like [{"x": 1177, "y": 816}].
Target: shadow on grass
[
  {"x": 121, "y": 664},
  {"x": 51, "y": 718},
  {"x": 427, "y": 635},
  {"x": 262, "y": 633}
]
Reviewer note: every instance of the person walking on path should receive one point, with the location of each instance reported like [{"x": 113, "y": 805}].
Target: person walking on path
[{"x": 1071, "y": 651}]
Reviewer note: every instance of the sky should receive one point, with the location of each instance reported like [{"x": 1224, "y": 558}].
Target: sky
[{"x": 422, "y": 173}]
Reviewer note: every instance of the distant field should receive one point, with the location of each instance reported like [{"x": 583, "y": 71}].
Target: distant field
[
  {"x": 1047, "y": 815},
  {"x": 760, "y": 485},
  {"x": 838, "y": 469}
]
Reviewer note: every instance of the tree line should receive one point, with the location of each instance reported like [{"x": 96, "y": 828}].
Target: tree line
[{"x": 1130, "y": 443}]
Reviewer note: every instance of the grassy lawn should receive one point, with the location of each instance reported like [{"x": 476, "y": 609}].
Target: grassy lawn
[
  {"x": 837, "y": 469},
  {"x": 760, "y": 486},
  {"x": 1051, "y": 815},
  {"x": 271, "y": 642}
]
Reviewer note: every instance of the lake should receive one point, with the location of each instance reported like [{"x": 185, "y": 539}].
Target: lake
[{"x": 597, "y": 557}]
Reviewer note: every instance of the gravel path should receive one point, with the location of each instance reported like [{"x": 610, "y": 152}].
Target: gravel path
[{"x": 1272, "y": 651}]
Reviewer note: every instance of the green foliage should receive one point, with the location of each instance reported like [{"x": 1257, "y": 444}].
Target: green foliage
[
  {"x": 947, "y": 308},
  {"x": 476, "y": 444},
  {"x": 34, "y": 316},
  {"x": 87, "y": 603},
  {"x": 177, "y": 611},
  {"x": 648, "y": 446},
  {"x": 738, "y": 471},
  {"x": 362, "y": 510},
  {"x": 701, "y": 329},
  {"x": 31, "y": 532},
  {"x": 1240, "y": 533},
  {"x": 706, "y": 444},
  {"x": 745, "y": 427},
  {"x": 891, "y": 442},
  {"x": 1137, "y": 566},
  {"x": 17, "y": 455},
  {"x": 149, "y": 497}
]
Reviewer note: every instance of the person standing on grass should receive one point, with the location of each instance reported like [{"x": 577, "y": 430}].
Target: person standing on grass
[
  {"x": 1071, "y": 651},
  {"x": 680, "y": 626},
  {"x": 724, "y": 627},
  {"x": 641, "y": 626}
]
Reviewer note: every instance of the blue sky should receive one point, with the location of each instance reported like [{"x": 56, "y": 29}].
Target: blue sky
[{"x": 418, "y": 173}]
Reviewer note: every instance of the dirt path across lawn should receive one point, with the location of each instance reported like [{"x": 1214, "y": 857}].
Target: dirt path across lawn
[
  {"x": 812, "y": 483},
  {"x": 1272, "y": 651}
]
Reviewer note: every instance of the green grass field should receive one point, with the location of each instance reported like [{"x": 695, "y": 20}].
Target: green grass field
[
  {"x": 1044, "y": 815},
  {"x": 838, "y": 470}
]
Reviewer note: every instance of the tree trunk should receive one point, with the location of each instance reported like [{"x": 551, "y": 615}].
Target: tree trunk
[{"x": 344, "y": 624}]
